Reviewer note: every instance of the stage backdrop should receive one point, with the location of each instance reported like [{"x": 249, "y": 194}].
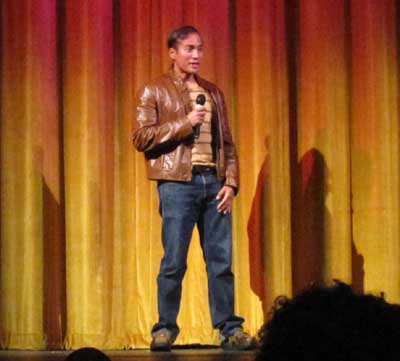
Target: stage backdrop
[{"x": 312, "y": 88}]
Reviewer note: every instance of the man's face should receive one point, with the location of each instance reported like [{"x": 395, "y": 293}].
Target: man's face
[{"x": 188, "y": 54}]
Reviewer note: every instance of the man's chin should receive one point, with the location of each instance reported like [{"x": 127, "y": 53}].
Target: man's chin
[{"x": 194, "y": 70}]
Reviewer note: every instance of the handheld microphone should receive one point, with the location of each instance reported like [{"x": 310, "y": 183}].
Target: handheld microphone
[{"x": 200, "y": 100}]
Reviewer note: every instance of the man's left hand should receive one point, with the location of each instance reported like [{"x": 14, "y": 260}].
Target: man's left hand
[{"x": 226, "y": 195}]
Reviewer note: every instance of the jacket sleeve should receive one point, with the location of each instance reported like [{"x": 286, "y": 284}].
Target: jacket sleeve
[
  {"x": 148, "y": 131},
  {"x": 231, "y": 159}
]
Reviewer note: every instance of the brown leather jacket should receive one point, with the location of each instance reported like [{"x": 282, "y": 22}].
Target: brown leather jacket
[{"x": 163, "y": 132}]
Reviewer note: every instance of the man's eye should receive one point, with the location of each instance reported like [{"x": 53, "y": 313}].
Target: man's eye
[{"x": 192, "y": 48}]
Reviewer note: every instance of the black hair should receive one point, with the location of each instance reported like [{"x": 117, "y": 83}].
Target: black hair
[
  {"x": 180, "y": 34},
  {"x": 331, "y": 324},
  {"x": 87, "y": 354}
]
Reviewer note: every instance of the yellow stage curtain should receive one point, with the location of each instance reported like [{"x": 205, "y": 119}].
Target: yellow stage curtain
[{"x": 312, "y": 89}]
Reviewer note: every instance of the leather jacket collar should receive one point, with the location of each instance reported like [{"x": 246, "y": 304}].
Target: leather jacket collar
[{"x": 179, "y": 83}]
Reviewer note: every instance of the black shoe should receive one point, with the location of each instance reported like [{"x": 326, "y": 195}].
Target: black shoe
[
  {"x": 238, "y": 341},
  {"x": 161, "y": 341}
]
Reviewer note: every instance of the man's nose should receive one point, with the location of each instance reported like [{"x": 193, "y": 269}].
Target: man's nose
[{"x": 195, "y": 53}]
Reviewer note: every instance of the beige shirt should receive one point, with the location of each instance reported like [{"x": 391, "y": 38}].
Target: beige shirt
[{"x": 202, "y": 150}]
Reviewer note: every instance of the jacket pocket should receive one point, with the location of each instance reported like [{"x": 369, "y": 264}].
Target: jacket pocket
[{"x": 168, "y": 160}]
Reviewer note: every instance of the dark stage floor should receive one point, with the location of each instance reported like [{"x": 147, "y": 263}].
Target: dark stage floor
[{"x": 214, "y": 354}]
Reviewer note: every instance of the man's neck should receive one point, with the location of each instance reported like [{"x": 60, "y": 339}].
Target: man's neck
[
  {"x": 191, "y": 82},
  {"x": 186, "y": 77}
]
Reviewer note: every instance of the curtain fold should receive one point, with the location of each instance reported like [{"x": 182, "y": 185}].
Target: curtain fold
[
  {"x": 375, "y": 141},
  {"x": 322, "y": 217},
  {"x": 312, "y": 91},
  {"x": 262, "y": 138}
]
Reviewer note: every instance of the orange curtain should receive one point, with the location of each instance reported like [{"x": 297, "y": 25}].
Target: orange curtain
[{"x": 313, "y": 95}]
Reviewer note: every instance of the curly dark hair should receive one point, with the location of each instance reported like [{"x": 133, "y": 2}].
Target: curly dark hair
[{"x": 331, "y": 324}]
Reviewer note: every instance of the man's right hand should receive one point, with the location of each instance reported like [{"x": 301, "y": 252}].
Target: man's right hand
[{"x": 196, "y": 116}]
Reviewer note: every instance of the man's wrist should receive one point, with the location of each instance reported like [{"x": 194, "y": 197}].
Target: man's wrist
[
  {"x": 231, "y": 186},
  {"x": 235, "y": 188}
]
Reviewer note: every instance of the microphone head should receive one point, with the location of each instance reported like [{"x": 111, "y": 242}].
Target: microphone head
[{"x": 201, "y": 99}]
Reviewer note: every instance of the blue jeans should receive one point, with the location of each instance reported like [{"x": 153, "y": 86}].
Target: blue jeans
[{"x": 182, "y": 206}]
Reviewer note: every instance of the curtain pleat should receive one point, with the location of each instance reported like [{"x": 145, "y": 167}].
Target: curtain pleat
[
  {"x": 322, "y": 217},
  {"x": 375, "y": 142},
  {"x": 312, "y": 90}
]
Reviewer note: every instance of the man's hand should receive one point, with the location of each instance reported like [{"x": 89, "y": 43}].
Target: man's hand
[
  {"x": 226, "y": 195},
  {"x": 196, "y": 116}
]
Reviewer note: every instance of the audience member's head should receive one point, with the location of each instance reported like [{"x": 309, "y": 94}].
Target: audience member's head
[
  {"x": 331, "y": 324},
  {"x": 87, "y": 354}
]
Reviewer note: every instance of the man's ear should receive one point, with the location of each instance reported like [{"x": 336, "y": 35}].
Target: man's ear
[{"x": 172, "y": 53}]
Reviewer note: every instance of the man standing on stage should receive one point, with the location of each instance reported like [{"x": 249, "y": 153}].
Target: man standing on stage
[{"x": 181, "y": 125}]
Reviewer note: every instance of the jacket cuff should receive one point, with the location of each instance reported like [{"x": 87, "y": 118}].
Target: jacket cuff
[{"x": 187, "y": 128}]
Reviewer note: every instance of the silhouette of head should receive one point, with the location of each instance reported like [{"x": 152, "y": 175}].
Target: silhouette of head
[
  {"x": 331, "y": 324},
  {"x": 87, "y": 354}
]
